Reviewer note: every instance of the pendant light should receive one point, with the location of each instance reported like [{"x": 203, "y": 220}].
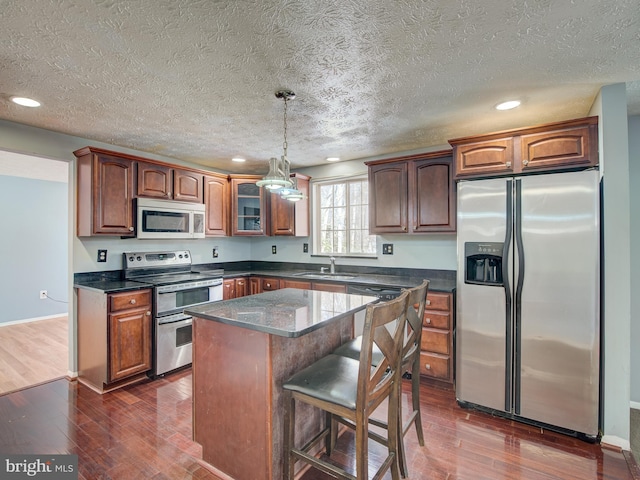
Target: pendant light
[{"x": 278, "y": 176}]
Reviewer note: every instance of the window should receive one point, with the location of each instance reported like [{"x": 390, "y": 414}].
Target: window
[{"x": 342, "y": 218}]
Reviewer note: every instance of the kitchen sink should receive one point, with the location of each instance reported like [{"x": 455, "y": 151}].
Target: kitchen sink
[{"x": 337, "y": 276}]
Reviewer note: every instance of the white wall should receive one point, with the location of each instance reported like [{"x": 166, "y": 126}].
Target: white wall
[
  {"x": 634, "y": 175},
  {"x": 611, "y": 107}
]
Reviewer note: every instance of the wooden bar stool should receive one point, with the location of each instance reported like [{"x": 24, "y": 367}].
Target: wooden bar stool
[
  {"x": 352, "y": 389},
  {"x": 410, "y": 363}
]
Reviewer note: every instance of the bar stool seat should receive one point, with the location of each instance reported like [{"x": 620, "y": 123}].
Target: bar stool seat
[{"x": 352, "y": 389}]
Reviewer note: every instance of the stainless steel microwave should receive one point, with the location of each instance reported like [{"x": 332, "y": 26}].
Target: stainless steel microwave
[{"x": 166, "y": 219}]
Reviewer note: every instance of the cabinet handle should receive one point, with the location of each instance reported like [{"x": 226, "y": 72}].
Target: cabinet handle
[
  {"x": 508, "y": 164},
  {"x": 131, "y": 229},
  {"x": 427, "y": 320},
  {"x": 525, "y": 162},
  {"x": 427, "y": 366},
  {"x": 132, "y": 301}
]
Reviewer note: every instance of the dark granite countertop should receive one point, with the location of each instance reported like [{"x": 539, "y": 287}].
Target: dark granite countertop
[
  {"x": 440, "y": 280},
  {"x": 402, "y": 280},
  {"x": 288, "y": 312},
  {"x": 111, "y": 286}
]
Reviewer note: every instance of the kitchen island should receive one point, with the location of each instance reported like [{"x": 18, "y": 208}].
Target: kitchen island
[{"x": 243, "y": 351}]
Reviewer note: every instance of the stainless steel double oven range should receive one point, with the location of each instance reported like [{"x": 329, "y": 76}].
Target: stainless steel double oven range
[{"x": 175, "y": 287}]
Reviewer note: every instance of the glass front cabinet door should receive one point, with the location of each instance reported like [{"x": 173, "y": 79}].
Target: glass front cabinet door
[{"x": 248, "y": 213}]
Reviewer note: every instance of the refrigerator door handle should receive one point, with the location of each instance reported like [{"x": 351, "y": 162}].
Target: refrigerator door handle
[
  {"x": 507, "y": 294},
  {"x": 518, "y": 295}
]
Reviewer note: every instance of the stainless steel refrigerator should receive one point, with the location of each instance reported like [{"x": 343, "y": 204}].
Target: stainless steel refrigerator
[{"x": 528, "y": 299}]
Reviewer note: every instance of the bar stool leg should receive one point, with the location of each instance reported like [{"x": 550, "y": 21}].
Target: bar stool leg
[{"x": 289, "y": 435}]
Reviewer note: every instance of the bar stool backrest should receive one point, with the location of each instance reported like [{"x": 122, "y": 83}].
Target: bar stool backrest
[
  {"x": 417, "y": 296},
  {"x": 374, "y": 382}
]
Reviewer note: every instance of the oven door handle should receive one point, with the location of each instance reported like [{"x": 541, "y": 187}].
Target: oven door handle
[{"x": 171, "y": 319}]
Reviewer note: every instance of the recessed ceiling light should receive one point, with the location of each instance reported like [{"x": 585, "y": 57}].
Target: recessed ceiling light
[
  {"x": 508, "y": 105},
  {"x": 238, "y": 159},
  {"x": 25, "y": 102},
  {"x": 333, "y": 159}
]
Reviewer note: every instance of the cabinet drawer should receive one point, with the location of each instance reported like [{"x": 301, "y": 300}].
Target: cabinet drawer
[
  {"x": 435, "y": 341},
  {"x": 434, "y": 365},
  {"x": 126, "y": 300},
  {"x": 438, "y": 301},
  {"x": 270, "y": 284},
  {"x": 435, "y": 319}
]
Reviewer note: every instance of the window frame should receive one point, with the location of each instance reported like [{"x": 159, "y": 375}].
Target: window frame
[{"x": 316, "y": 217}]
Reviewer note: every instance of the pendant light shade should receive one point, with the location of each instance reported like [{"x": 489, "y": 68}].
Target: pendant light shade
[
  {"x": 275, "y": 179},
  {"x": 292, "y": 193}
]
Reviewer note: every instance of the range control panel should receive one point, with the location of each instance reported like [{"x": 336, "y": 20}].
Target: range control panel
[{"x": 156, "y": 259}]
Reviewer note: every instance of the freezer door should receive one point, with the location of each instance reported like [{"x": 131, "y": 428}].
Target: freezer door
[
  {"x": 559, "y": 324},
  {"x": 482, "y": 337}
]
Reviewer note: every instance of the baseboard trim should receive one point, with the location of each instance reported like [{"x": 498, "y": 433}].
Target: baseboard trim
[
  {"x": 36, "y": 319},
  {"x": 615, "y": 443}
]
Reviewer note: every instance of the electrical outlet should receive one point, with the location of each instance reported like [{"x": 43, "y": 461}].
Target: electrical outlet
[
  {"x": 274, "y": 249},
  {"x": 305, "y": 248},
  {"x": 102, "y": 255},
  {"x": 387, "y": 248},
  {"x": 43, "y": 294},
  {"x": 215, "y": 252}
]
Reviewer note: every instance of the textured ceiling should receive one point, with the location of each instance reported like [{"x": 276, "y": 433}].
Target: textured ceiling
[{"x": 195, "y": 80}]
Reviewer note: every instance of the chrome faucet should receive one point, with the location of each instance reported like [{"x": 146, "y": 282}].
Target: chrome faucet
[{"x": 333, "y": 265}]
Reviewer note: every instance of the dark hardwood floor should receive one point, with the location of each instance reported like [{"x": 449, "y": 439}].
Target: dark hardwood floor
[{"x": 144, "y": 432}]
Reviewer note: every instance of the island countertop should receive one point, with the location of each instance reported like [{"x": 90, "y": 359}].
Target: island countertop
[{"x": 288, "y": 312}]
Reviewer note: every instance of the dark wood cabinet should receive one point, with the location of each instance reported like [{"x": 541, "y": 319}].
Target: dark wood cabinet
[
  {"x": 164, "y": 181},
  {"x": 558, "y": 146},
  {"x": 302, "y": 284},
  {"x": 114, "y": 337},
  {"x": 436, "y": 348},
  {"x": 268, "y": 284},
  {"x": 234, "y": 288},
  {"x": 413, "y": 194},
  {"x": 154, "y": 180},
  {"x": 216, "y": 200},
  {"x": 129, "y": 334},
  {"x": 104, "y": 194},
  {"x": 287, "y": 217},
  {"x": 247, "y": 206},
  {"x": 329, "y": 287},
  {"x": 254, "y": 285}
]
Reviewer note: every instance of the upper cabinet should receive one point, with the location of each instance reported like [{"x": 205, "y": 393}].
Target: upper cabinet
[
  {"x": 413, "y": 194},
  {"x": 164, "y": 181},
  {"x": 108, "y": 183},
  {"x": 216, "y": 200},
  {"x": 291, "y": 218},
  {"x": 247, "y": 206},
  {"x": 558, "y": 146},
  {"x": 104, "y": 194}
]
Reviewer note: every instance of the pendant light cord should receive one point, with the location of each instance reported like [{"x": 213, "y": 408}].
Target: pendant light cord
[{"x": 284, "y": 144}]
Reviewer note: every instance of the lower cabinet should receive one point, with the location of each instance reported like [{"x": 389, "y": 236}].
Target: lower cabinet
[
  {"x": 114, "y": 337},
  {"x": 234, "y": 288},
  {"x": 436, "y": 348}
]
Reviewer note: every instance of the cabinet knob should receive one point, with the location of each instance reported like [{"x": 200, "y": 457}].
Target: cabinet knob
[
  {"x": 240, "y": 283},
  {"x": 132, "y": 301},
  {"x": 525, "y": 162},
  {"x": 427, "y": 366},
  {"x": 148, "y": 314},
  {"x": 268, "y": 285},
  {"x": 404, "y": 229},
  {"x": 508, "y": 164},
  {"x": 131, "y": 229},
  {"x": 427, "y": 320},
  {"x": 428, "y": 302}
]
